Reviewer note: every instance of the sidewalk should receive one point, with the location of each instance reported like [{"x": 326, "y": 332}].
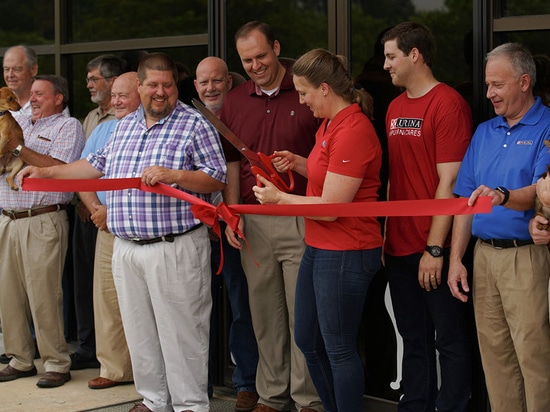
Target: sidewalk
[{"x": 23, "y": 394}]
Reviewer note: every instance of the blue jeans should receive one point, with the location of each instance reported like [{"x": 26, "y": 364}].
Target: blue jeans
[
  {"x": 430, "y": 321},
  {"x": 242, "y": 341},
  {"x": 330, "y": 295}
]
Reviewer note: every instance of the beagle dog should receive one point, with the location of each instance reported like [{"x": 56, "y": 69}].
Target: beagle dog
[{"x": 9, "y": 129}]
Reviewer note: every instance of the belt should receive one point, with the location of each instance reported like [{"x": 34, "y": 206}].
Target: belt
[
  {"x": 507, "y": 243},
  {"x": 166, "y": 238},
  {"x": 21, "y": 214}
]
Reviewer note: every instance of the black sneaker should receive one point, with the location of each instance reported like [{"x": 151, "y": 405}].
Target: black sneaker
[
  {"x": 78, "y": 362},
  {"x": 5, "y": 359}
]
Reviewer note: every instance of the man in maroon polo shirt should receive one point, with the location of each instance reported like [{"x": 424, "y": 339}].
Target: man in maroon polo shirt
[{"x": 265, "y": 112}]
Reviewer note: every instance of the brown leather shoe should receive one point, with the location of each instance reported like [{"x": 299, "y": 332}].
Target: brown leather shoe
[
  {"x": 104, "y": 383},
  {"x": 260, "y": 407},
  {"x": 10, "y": 374},
  {"x": 53, "y": 379},
  {"x": 246, "y": 401},
  {"x": 307, "y": 410},
  {"x": 140, "y": 407}
]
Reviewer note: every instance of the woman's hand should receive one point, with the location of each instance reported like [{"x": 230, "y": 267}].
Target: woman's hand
[
  {"x": 284, "y": 160},
  {"x": 268, "y": 194}
]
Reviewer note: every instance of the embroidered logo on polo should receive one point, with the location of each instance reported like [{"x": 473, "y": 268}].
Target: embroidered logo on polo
[
  {"x": 524, "y": 142},
  {"x": 403, "y": 126}
]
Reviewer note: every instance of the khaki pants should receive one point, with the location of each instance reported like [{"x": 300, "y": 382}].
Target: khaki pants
[
  {"x": 165, "y": 301},
  {"x": 32, "y": 257},
  {"x": 111, "y": 347},
  {"x": 511, "y": 309}
]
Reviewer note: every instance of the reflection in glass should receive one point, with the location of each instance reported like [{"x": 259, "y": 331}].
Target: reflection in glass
[
  {"x": 26, "y": 22},
  {"x": 299, "y": 26},
  {"x": 524, "y": 8},
  {"x": 449, "y": 21},
  {"x": 114, "y": 20},
  {"x": 535, "y": 41}
]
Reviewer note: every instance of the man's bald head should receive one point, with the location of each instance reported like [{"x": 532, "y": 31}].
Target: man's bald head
[
  {"x": 124, "y": 94},
  {"x": 212, "y": 82}
]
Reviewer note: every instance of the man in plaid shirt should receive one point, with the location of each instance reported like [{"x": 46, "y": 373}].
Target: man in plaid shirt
[{"x": 161, "y": 256}]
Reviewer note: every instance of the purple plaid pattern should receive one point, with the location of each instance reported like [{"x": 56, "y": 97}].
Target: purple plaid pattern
[
  {"x": 58, "y": 136},
  {"x": 184, "y": 140}
]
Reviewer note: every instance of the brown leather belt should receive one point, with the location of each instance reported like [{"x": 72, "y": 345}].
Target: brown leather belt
[
  {"x": 40, "y": 210},
  {"x": 507, "y": 243},
  {"x": 167, "y": 238}
]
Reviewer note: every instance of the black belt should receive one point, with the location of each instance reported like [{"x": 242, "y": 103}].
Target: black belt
[
  {"x": 507, "y": 243},
  {"x": 40, "y": 210},
  {"x": 166, "y": 238}
]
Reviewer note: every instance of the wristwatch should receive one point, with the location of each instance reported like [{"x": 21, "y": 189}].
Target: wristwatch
[
  {"x": 435, "y": 251},
  {"x": 505, "y": 192},
  {"x": 17, "y": 151}
]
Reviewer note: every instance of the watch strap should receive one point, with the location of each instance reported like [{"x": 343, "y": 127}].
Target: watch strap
[
  {"x": 505, "y": 192},
  {"x": 17, "y": 151},
  {"x": 435, "y": 251}
]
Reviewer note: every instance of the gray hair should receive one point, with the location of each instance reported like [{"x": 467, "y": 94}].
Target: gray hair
[
  {"x": 30, "y": 54},
  {"x": 520, "y": 58},
  {"x": 109, "y": 65}
]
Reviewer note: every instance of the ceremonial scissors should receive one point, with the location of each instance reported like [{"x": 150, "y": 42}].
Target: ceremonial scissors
[{"x": 260, "y": 163}]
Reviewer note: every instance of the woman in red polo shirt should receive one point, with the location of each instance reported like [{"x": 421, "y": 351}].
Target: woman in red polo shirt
[{"x": 343, "y": 253}]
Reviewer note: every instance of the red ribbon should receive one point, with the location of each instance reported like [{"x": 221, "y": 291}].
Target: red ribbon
[{"x": 210, "y": 214}]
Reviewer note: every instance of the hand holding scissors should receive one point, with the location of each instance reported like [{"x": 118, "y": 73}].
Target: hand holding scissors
[{"x": 261, "y": 163}]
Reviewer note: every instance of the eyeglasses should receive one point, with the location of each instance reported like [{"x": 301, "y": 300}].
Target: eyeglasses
[{"x": 96, "y": 79}]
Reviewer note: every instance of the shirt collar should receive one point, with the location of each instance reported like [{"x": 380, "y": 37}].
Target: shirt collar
[
  {"x": 532, "y": 117},
  {"x": 140, "y": 113},
  {"x": 45, "y": 119},
  {"x": 286, "y": 83}
]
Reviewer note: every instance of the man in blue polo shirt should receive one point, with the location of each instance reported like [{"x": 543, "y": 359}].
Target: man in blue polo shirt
[
  {"x": 111, "y": 347},
  {"x": 510, "y": 283}
]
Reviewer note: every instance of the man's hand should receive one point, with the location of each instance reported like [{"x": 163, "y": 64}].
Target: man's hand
[
  {"x": 83, "y": 212},
  {"x": 458, "y": 277},
  {"x": 32, "y": 172},
  {"x": 496, "y": 196},
  {"x": 429, "y": 271},
  {"x": 540, "y": 237},
  {"x": 232, "y": 237},
  {"x": 156, "y": 174},
  {"x": 99, "y": 216}
]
